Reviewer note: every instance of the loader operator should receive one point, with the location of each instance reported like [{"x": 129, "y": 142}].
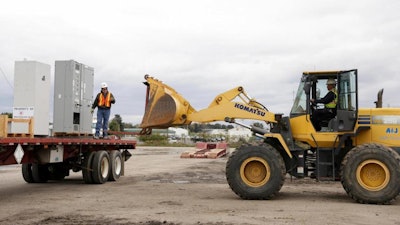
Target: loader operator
[
  {"x": 103, "y": 102},
  {"x": 329, "y": 100}
]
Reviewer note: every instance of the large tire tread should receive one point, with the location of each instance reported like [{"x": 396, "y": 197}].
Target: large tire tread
[
  {"x": 40, "y": 173},
  {"x": 268, "y": 190},
  {"x": 116, "y": 165},
  {"x": 364, "y": 152},
  {"x": 98, "y": 170},
  {"x": 27, "y": 172},
  {"x": 87, "y": 168}
]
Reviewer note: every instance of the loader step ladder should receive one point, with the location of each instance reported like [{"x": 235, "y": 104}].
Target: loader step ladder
[
  {"x": 207, "y": 150},
  {"x": 325, "y": 162}
]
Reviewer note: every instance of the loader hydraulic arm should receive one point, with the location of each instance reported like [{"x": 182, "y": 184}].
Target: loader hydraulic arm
[{"x": 166, "y": 108}]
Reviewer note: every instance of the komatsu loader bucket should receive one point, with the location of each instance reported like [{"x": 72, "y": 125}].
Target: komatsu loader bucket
[{"x": 164, "y": 106}]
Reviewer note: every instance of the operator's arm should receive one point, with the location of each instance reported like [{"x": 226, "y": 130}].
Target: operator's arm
[{"x": 329, "y": 97}]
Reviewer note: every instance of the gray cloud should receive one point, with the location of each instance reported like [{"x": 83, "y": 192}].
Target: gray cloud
[{"x": 202, "y": 48}]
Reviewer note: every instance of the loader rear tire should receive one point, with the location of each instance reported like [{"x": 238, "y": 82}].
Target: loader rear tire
[
  {"x": 371, "y": 174},
  {"x": 255, "y": 172}
]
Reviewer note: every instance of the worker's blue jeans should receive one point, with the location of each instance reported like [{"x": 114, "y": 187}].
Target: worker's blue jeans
[{"x": 102, "y": 121}]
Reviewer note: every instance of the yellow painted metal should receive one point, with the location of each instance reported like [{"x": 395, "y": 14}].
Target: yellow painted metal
[
  {"x": 283, "y": 143},
  {"x": 166, "y": 107},
  {"x": 373, "y": 175},
  {"x": 303, "y": 131},
  {"x": 384, "y": 126},
  {"x": 255, "y": 172}
]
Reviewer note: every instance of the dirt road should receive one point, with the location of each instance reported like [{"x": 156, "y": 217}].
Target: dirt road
[{"x": 161, "y": 188}]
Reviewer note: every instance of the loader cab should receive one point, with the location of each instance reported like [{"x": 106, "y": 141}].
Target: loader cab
[{"x": 313, "y": 86}]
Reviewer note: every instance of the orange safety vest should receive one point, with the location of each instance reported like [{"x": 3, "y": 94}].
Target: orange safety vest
[{"x": 105, "y": 101}]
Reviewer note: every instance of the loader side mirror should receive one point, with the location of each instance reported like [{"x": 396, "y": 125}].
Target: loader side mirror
[{"x": 307, "y": 87}]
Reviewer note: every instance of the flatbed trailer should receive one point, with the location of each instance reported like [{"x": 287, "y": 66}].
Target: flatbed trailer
[{"x": 52, "y": 158}]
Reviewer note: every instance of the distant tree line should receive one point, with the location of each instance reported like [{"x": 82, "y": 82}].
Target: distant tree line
[
  {"x": 7, "y": 113},
  {"x": 116, "y": 124},
  {"x": 199, "y": 127}
]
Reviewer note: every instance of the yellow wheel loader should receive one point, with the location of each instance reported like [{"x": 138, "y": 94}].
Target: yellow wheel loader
[{"x": 358, "y": 146}]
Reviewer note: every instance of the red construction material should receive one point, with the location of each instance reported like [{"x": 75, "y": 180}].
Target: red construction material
[{"x": 210, "y": 150}]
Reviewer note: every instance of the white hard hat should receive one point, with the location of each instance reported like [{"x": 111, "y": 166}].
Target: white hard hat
[
  {"x": 104, "y": 85},
  {"x": 331, "y": 81}
]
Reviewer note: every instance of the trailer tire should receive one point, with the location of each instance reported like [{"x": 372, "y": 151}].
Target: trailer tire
[
  {"x": 101, "y": 167},
  {"x": 371, "y": 174},
  {"x": 27, "y": 172},
  {"x": 57, "y": 171},
  {"x": 40, "y": 173},
  {"x": 116, "y": 165},
  {"x": 255, "y": 172},
  {"x": 87, "y": 168}
]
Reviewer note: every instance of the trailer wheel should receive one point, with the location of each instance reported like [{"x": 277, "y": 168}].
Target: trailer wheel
[
  {"x": 101, "y": 167},
  {"x": 255, "y": 172},
  {"x": 40, "y": 173},
  {"x": 27, "y": 172},
  {"x": 116, "y": 165},
  {"x": 87, "y": 168},
  {"x": 371, "y": 174},
  {"x": 57, "y": 171}
]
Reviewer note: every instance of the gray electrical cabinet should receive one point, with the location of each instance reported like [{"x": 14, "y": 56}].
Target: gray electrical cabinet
[
  {"x": 31, "y": 96},
  {"x": 73, "y": 97}
]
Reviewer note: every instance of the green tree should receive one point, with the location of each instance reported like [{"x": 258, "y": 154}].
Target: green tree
[
  {"x": 116, "y": 123},
  {"x": 7, "y": 113},
  {"x": 127, "y": 125}
]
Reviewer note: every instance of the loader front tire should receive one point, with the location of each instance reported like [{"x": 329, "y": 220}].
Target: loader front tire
[
  {"x": 255, "y": 172},
  {"x": 371, "y": 174}
]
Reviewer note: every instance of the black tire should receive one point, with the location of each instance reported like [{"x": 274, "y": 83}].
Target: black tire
[
  {"x": 370, "y": 174},
  {"x": 255, "y": 172},
  {"x": 27, "y": 172},
  {"x": 57, "y": 171},
  {"x": 87, "y": 168},
  {"x": 40, "y": 173},
  {"x": 116, "y": 165},
  {"x": 101, "y": 167}
]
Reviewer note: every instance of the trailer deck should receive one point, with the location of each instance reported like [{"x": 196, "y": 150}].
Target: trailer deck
[
  {"x": 51, "y": 158},
  {"x": 10, "y": 147}
]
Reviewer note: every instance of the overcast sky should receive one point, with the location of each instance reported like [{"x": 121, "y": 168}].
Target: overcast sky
[{"x": 203, "y": 48}]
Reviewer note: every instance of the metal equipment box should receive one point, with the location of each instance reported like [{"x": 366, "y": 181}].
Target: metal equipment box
[
  {"x": 31, "y": 96},
  {"x": 73, "y": 97}
]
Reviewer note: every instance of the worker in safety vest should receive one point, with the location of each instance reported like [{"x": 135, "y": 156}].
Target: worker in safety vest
[
  {"x": 103, "y": 102},
  {"x": 329, "y": 101}
]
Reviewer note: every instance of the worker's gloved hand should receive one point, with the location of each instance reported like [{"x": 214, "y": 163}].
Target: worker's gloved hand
[{"x": 91, "y": 111}]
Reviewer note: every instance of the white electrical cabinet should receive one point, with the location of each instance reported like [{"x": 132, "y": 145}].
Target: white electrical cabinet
[
  {"x": 31, "y": 96},
  {"x": 73, "y": 97}
]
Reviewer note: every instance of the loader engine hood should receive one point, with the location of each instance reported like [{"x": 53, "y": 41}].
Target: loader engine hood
[{"x": 164, "y": 106}]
